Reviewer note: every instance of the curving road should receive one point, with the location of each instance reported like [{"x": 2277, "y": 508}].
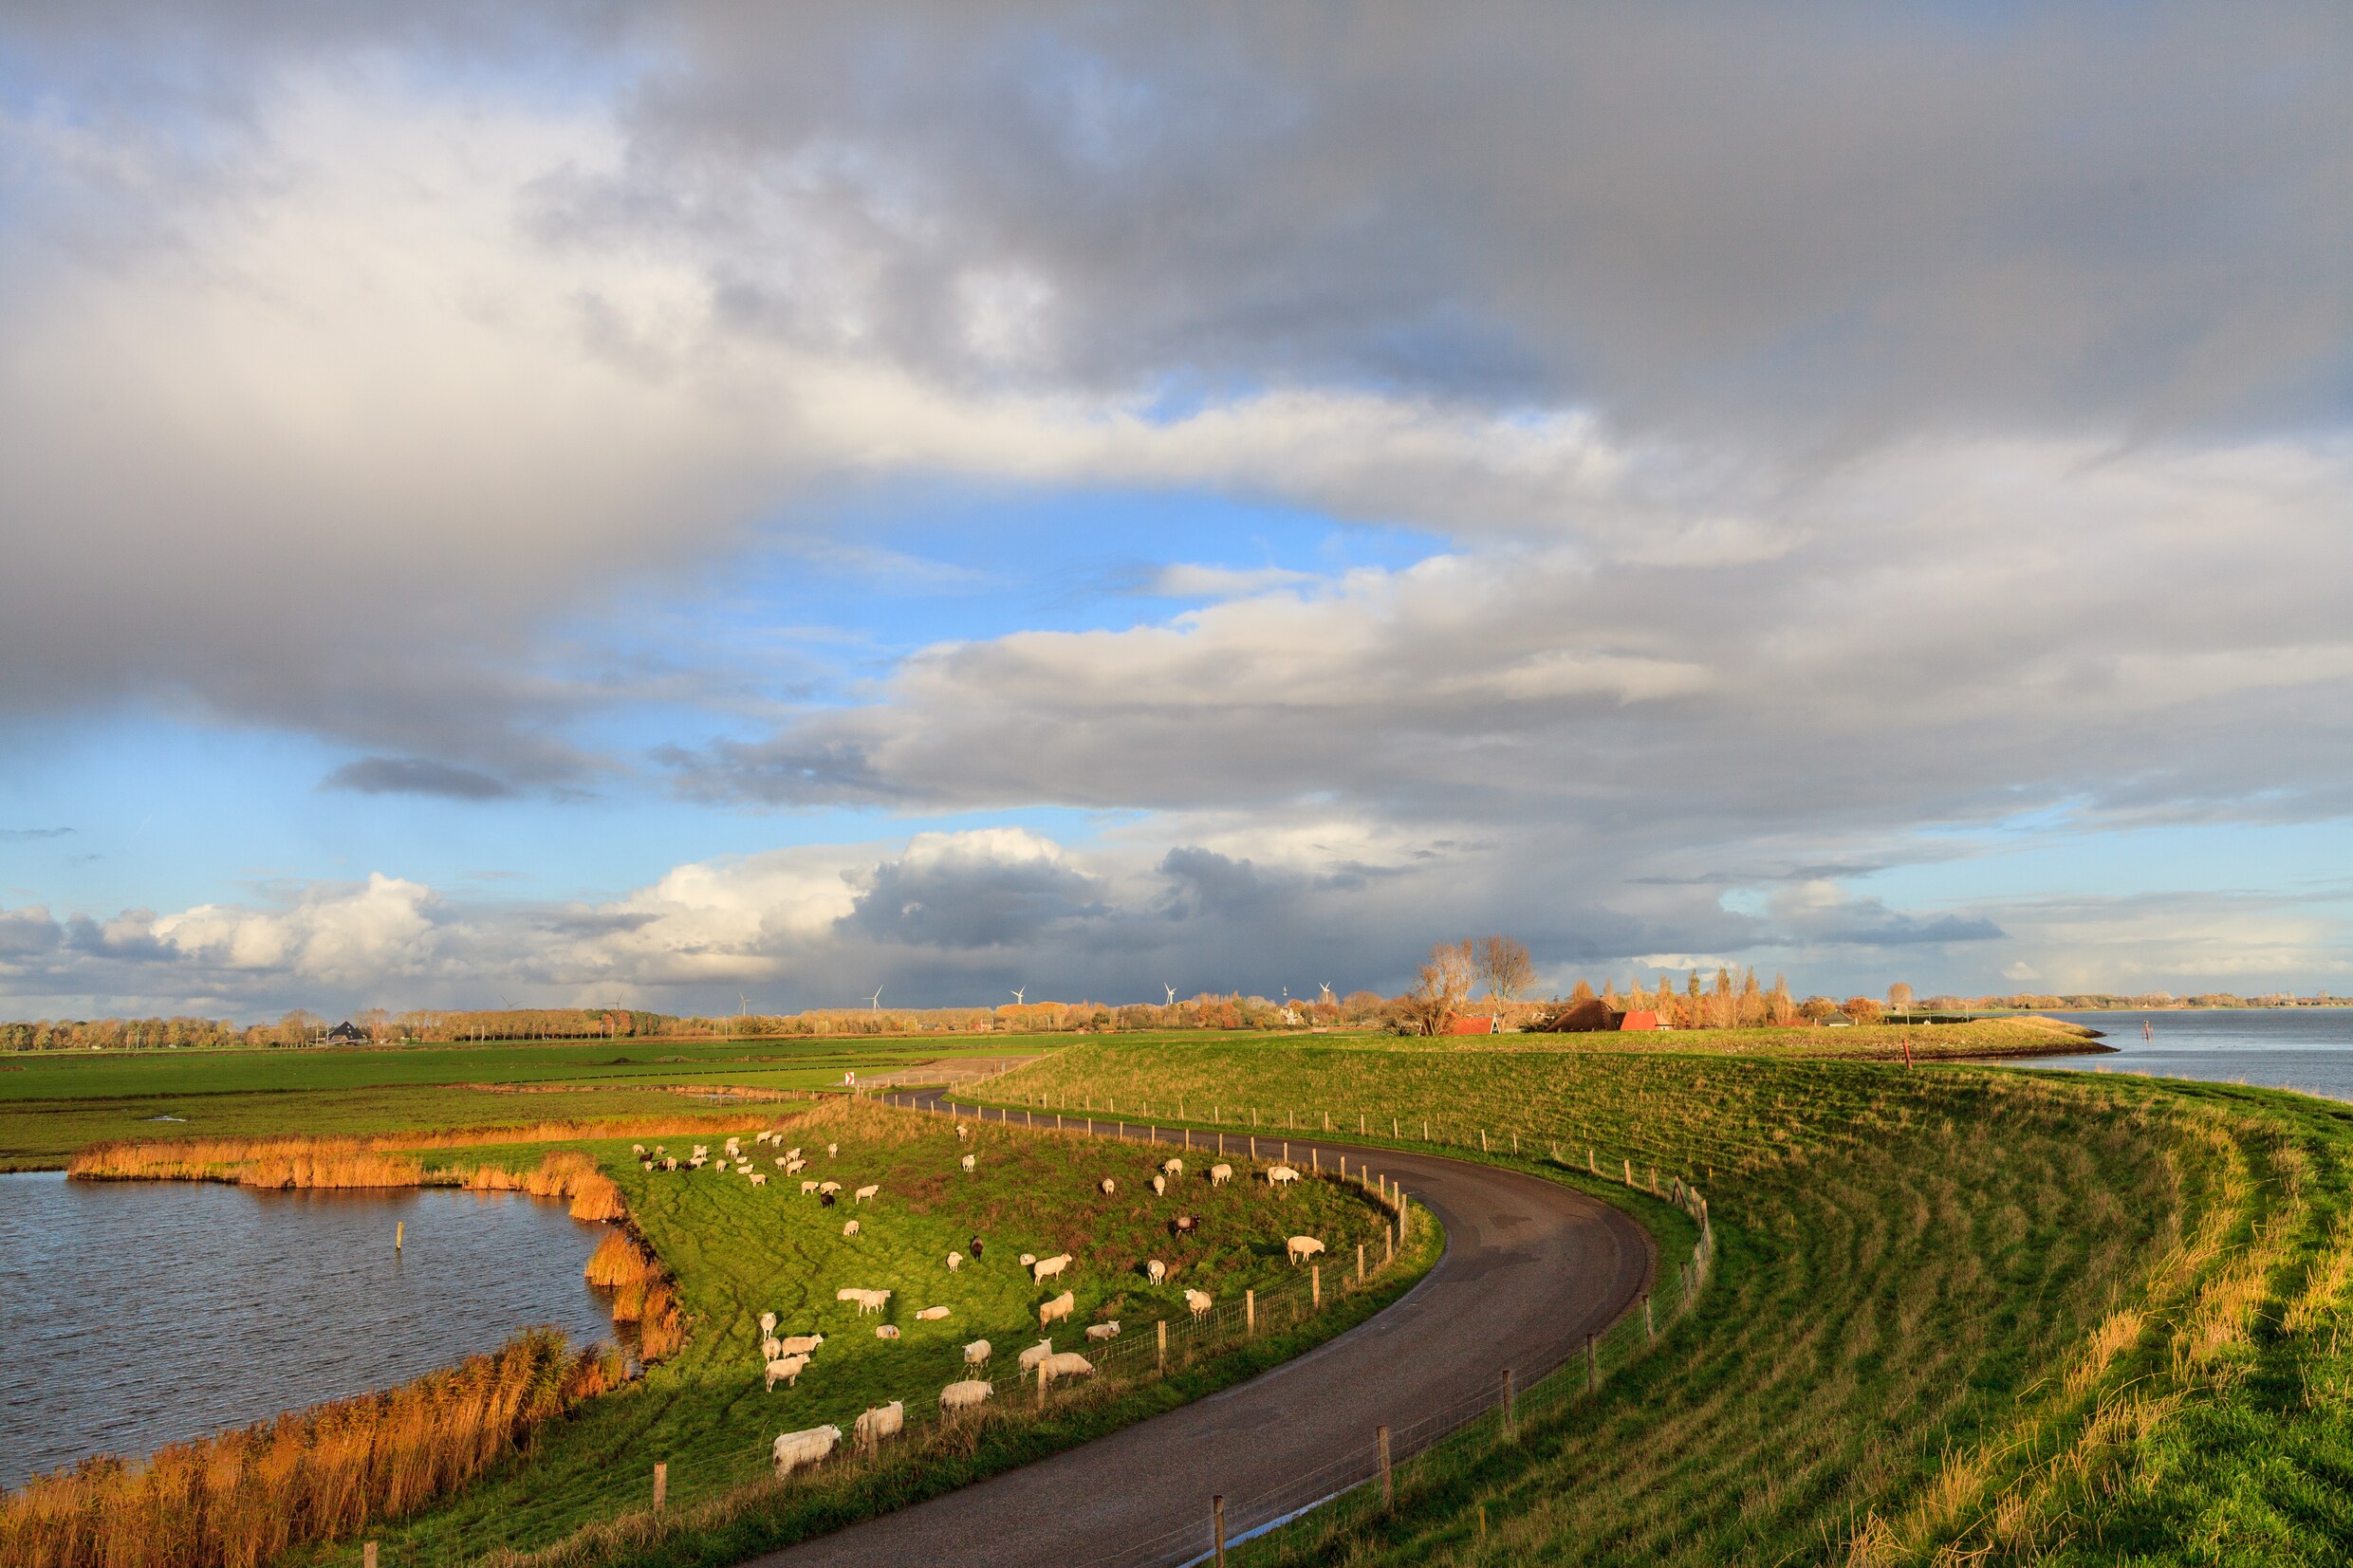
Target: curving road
[{"x": 1530, "y": 1268}]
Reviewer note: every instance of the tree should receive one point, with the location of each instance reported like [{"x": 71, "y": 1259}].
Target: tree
[
  {"x": 1863, "y": 1009},
  {"x": 1581, "y": 991},
  {"x": 1900, "y": 998},
  {"x": 1442, "y": 985},
  {"x": 1504, "y": 968}
]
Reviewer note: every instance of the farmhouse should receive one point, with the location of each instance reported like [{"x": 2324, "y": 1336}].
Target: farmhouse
[
  {"x": 1473, "y": 1024},
  {"x": 1641, "y": 1018}
]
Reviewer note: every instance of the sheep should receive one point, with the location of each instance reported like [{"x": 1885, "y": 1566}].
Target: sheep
[
  {"x": 1057, "y": 1309},
  {"x": 1154, "y": 1270},
  {"x": 969, "y": 1163},
  {"x": 794, "y": 1167},
  {"x": 1220, "y": 1175},
  {"x": 1303, "y": 1247},
  {"x": 964, "y": 1396},
  {"x": 1160, "y": 1186},
  {"x": 792, "y": 1153},
  {"x": 1045, "y": 1268},
  {"x": 976, "y": 1354},
  {"x": 759, "y": 1137},
  {"x": 781, "y": 1162},
  {"x": 867, "y": 1191},
  {"x": 808, "y": 1186},
  {"x": 1281, "y": 1175},
  {"x": 930, "y": 1315},
  {"x": 638, "y": 1149},
  {"x": 697, "y": 1162},
  {"x": 645, "y": 1165},
  {"x": 1173, "y": 1170},
  {"x": 880, "y": 1422},
  {"x": 743, "y": 1167},
  {"x": 1199, "y": 1301},
  {"x": 669, "y": 1162},
  {"x": 828, "y": 1187},
  {"x": 787, "y": 1367},
  {"x": 770, "y": 1348},
  {"x": 868, "y": 1300},
  {"x": 794, "y": 1449},
  {"x": 961, "y": 1132},
  {"x": 1103, "y": 1330},
  {"x": 831, "y": 1149},
  {"x": 1029, "y": 1258},
  {"x": 702, "y": 1149},
  {"x": 1109, "y": 1187},
  {"x": 735, "y": 1147},
  {"x": 977, "y": 1250},
  {"x": 801, "y": 1344},
  {"x": 888, "y": 1331},
  {"x": 759, "y": 1178},
  {"x": 955, "y": 1261},
  {"x": 824, "y": 1200},
  {"x": 850, "y": 1229},
  {"x": 768, "y": 1322},
  {"x": 660, "y": 1149},
  {"x": 1038, "y": 1352},
  {"x": 1068, "y": 1363},
  {"x": 1184, "y": 1225}
]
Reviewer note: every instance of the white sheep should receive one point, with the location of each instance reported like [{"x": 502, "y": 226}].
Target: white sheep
[
  {"x": 1103, "y": 1330},
  {"x": 866, "y": 1192},
  {"x": 759, "y": 1178},
  {"x": 1038, "y": 1352},
  {"x": 806, "y": 1188},
  {"x": 868, "y": 1300},
  {"x": 831, "y": 1149},
  {"x": 787, "y": 1367},
  {"x": 800, "y": 1344},
  {"x": 794, "y": 1167},
  {"x": 931, "y": 1315},
  {"x": 976, "y": 1354},
  {"x": 880, "y": 1422},
  {"x": 964, "y": 1396},
  {"x": 1281, "y": 1175},
  {"x": 1173, "y": 1170},
  {"x": 1068, "y": 1363},
  {"x": 1109, "y": 1187},
  {"x": 851, "y": 1228},
  {"x": 888, "y": 1331},
  {"x": 645, "y": 1165},
  {"x": 793, "y": 1153},
  {"x": 955, "y": 1261},
  {"x": 768, "y": 1322},
  {"x": 770, "y": 1348},
  {"x": 1303, "y": 1247},
  {"x": 1029, "y": 1258},
  {"x": 1155, "y": 1270},
  {"x": 1199, "y": 1301},
  {"x": 1045, "y": 1268},
  {"x": 1057, "y": 1309},
  {"x": 1159, "y": 1186},
  {"x": 669, "y": 1162},
  {"x": 794, "y": 1449},
  {"x": 781, "y": 1163},
  {"x": 638, "y": 1149},
  {"x": 828, "y": 1187},
  {"x": 961, "y": 1132},
  {"x": 969, "y": 1163},
  {"x": 1220, "y": 1175}
]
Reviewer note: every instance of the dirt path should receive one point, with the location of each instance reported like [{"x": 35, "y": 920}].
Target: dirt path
[{"x": 1530, "y": 1268}]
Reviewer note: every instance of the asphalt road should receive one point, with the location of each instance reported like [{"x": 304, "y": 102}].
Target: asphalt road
[{"x": 1530, "y": 1268}]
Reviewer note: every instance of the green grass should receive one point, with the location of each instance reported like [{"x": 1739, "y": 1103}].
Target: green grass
[
  {"x": 737, "y": 1250},
  {"x": 1959, "y": 1314}
]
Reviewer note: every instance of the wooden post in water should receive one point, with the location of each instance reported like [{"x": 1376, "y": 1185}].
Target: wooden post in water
[
  {"x": 1381, "y": 1446},
  {"x": 661, "y": 1483},
  {"x": 1217, "y": 1525},
  {"x": 399, "y": 1233}
]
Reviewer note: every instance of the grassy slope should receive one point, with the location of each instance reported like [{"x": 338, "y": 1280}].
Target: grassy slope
[
  {"x": 738, "y": 1250},
  {"x": 1959, "y": 1314}
]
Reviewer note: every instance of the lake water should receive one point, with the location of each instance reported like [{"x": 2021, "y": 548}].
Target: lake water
[
  {"x": 135, "y": 1314},
  {"x": 2307, "y": 1048}
]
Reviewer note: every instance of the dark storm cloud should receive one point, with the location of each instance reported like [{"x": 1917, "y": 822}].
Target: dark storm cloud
[
  {"x": 415, "y": 776},
  {"x": 955, "y": 900}
]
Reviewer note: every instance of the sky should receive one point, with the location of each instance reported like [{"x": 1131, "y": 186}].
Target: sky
[{"x": 701, "y": 506}]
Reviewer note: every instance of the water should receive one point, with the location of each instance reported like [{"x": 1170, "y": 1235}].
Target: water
[
  {"x": 2307, "y": 1048},
  {"x": 136, "y": 1313}
]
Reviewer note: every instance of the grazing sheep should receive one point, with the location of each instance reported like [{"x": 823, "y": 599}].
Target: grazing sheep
[
  {"x": 1029, "y": 1258},
  {"x": 867, "y": 1191},
  {"x": 671, "y": 1163},
  {"x": 976, "y": 1354},
  {"x": 781, "y": 1163},
  {"x": 1303, "y": 1247},
  {"x": 768, "y": 1322},
  {"x": 1068, "y": 1363},
  {"x": 638, "y": 1149},
  {"x": 961, "y": 1132},
  {"x": 829, "y": 1187},
  {"x": 794, "y": 1167},
  {"x": 831, "y": 1149},
  {"x": 1199, "y": 1301},
  {"x": 1038, "y": 1352},
  {"x": 770, "y": 1348},
  {"x": 743, "y": 1167},
  {"x": 868, "y": 1300},
  {"x": 702, "y": 1149},
  {"x": 794, "y": 1449},
  {"x": 793, "y": 1153},
  {"x": 977, "y": 1250},
  {"x": 800, "y": 1344},
  {"x": 808, "y": 1186},
  {"x": 880, "y": 1422},
  {"x": 735, "y": 1144},
  {"x": 1173, "y": 1170},
  {"x": 1109, "y": 1187},
  {"x": 888, "y": 1331},
  {"x": 1057, "y": 1309},
  {"x": 1155, "y": 1270},
  {"x": 659, "y": 1150},
  {"x": 824, "y": 1200},
  {"x": 1281, "y": 1175},
  {"x": 969, "y": 1163},
  {"x": 850, "y": 1229},
  {"x": 1159, "y": 1186},
  {"x": 645, "y": 1165},
  {"x": 964, "y": 1396},
  {"x": 787, "y": 1367},
  {"x": 1220, "y": 1175},
  {"x": 697, "y": 1162},
  {"x": 1045, "y": 1268},
  {"x": 759, "y": 1137},
  {"x": 759, "y": 1178},
  {"x": 932, "y": 1315},
  {"x": 955, "y": 1261},
  {"x": 1184, "y": 1225},
  {"x": 1103, "y": 1330}
]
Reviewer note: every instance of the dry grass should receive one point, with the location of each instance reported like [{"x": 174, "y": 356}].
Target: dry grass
[{"x": 244, "y": 1498}]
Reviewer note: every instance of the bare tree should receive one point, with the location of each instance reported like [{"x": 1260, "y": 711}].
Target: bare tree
[
  {"x": 1442, "y": 985},
  {"x": 1900, "y": 998},
  {"x": 1504, "y": 966}
]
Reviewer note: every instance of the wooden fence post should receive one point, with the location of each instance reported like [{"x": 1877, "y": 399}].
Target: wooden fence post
[
  {"x": 1217, "y": 1525},
  {"x": 1629, "y": 1172},
  {"x": 661, "y": 1483},
  {"x": 1250, "y": 1313},
  {"x": 1163, "y": 1347},
  {"x": 1380, "y": 1444},
  {"x": 1041, "y": 1385},
  {"x": 367, "y": 1556},
  {"x": 1649, "y": 1326},
  {"x": 1388, "y": 1245},
  {"x": 1360, "y": 1262},
  {"x": 1510, "y": 1417},
  {"x": 1482, "y": 1140},
  {"x": 1315, "y": 1284},
  {"x": 1593, "y": 1367},
  {"x": 1591, "y": 1169}
]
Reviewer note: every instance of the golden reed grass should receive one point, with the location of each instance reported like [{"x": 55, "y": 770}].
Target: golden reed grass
[
  {"x": 643, "y": 1294},
  {"x": 240, "y": 1499}
]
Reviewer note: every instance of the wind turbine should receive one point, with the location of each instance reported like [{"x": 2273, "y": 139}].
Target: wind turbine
[
  {"x": 1017, "y": 997},
  {"x": 874, "y": 1002},
  {"x": 1171, "y": 992}
]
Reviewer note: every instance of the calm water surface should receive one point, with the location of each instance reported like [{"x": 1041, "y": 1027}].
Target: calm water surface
[
  {"x": 135, "y": 1314},
  {"x": 2307, "y": 1048}
]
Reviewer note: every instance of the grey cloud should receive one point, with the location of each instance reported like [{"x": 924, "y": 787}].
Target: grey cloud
[
  {"x": 27, "y": 934},
  {"x": 974, "y": 902},
  {"x": 415, "y": 776},
  {"x": 22, "y": 835}
]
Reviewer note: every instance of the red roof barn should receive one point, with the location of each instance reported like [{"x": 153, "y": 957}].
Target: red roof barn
[
  {"x": 1641, "y": 1018},
  {"x": 1473, "y": 1024}
]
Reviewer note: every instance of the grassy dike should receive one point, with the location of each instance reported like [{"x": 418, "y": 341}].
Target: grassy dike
[{"x": 1959, "y": 1314}]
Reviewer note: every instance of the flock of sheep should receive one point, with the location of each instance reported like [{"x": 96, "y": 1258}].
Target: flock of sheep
[{"x": 784, "y": 1359}]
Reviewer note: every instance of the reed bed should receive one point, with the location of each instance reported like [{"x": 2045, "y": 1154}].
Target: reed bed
[
  {"x": 643, "y": 1293},
  {"x": 242, "y": 1499}
]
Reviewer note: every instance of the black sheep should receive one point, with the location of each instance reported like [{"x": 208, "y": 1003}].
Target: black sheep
[{"x": 977, "y": 1250}]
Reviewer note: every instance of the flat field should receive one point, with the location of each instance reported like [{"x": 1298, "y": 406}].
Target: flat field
[{"x": 1959, "y": 1314}]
